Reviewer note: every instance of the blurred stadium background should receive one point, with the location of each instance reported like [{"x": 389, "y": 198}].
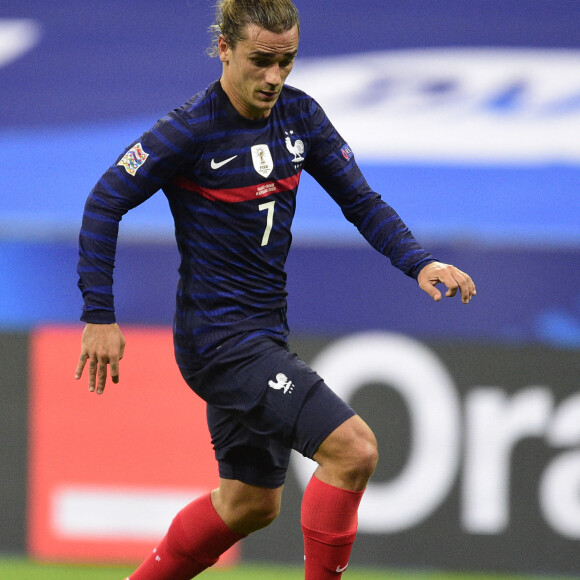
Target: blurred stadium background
[{"x": 465, "y": 117}]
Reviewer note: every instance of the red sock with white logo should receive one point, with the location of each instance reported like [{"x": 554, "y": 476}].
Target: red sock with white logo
[
  {"x": 196, "y": 539},
  {"x": 329, "y": 523}
]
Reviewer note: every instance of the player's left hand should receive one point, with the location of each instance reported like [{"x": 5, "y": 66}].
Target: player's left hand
[{"x": 440, "y": 273}]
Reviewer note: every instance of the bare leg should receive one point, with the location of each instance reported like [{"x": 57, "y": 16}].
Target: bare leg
[
  {"x": 348, "y": 456},
  {"x": 246, "y": 508},
  {"x": 347, "y": 459}
]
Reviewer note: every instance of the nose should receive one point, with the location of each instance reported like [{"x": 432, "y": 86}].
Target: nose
[{"x": 273, "y": 76}]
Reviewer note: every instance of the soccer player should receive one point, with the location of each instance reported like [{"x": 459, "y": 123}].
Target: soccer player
[{"x": 229, "y": 161}]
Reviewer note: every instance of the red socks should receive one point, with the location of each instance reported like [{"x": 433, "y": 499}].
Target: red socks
[
  {"x": 196, "y": 539},
  {"x": 329, "y": 523}
]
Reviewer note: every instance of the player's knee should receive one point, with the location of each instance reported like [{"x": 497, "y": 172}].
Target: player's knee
[
  {"x": 264, "y": 515},
  {"x": 249, "y": 513},
  {"x": 364, "y": 455},
  {"x": 258, "y": 514},
  {"x": 350, "y": 453},
  {"x": 370, "y": 457}
]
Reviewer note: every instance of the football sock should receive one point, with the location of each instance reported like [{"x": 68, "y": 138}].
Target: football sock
[
  {"x": 329, "y": 522},
  {"x": 196, "y": 539}
]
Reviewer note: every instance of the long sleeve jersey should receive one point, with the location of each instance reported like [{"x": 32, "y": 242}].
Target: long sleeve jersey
[{"x": 231, "y": 184}]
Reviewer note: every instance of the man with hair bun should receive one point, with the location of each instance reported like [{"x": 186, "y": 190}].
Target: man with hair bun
[{"x": 229, "y": 162}]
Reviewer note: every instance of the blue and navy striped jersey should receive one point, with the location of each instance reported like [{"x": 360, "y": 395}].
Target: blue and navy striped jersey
[{"x": 231, "y": 184}]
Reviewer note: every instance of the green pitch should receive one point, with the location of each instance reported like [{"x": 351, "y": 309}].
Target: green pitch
[{"x": 20, "y": 569}]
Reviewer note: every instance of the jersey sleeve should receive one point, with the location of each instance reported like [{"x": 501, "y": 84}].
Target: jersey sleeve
[
  {"x": 331, "y": 162},
  {"x": 145, "y": 167}
]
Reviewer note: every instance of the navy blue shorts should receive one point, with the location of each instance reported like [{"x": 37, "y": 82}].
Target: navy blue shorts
[{"x": 263, "y": 401}]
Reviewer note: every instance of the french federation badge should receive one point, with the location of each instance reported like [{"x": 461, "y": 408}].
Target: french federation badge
[
  {"x": 296, "y": 148},
  {"x": 262, "y": 158},
  {"x": 133, "y": 159}
]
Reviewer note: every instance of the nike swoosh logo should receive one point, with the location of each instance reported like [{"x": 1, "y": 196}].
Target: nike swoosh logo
[
  {"x": 215, "y": 165},
  {"x": 339, "y": 570}
]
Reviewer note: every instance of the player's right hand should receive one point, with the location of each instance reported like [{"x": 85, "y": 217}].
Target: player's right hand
[{"x": 102, "y": 345}]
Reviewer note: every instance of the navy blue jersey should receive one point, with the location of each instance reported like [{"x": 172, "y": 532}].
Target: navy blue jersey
[{"x": 231, "y": 184}]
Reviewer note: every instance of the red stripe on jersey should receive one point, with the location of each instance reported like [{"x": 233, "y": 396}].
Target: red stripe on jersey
[{"x": 241, "y": 193}]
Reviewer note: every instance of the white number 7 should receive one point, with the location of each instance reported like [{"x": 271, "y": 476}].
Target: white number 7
[{"x": 269, "y": 220}]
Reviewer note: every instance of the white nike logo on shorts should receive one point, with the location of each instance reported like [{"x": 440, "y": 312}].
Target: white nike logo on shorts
[
  {"x": 340, "y": 570},
  {"x": 215, "y": 165}
]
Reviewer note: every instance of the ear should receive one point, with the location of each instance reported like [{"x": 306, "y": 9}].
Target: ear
[{"x": 223, "y": 49}]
